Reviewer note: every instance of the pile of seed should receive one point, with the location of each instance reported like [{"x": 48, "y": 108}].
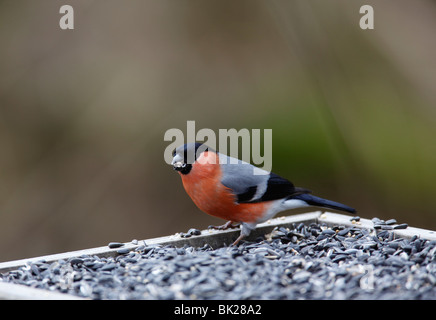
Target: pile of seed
[{"x": 302, "y": 262}]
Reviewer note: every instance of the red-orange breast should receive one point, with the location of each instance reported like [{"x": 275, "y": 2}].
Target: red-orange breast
[{"x": 203, "y": 185}]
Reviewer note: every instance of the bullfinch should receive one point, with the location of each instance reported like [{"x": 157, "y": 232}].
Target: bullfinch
[{"x": 234, "y": 190}]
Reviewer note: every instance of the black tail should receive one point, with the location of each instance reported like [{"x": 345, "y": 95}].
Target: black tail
[{"x": 324, "y": 203}]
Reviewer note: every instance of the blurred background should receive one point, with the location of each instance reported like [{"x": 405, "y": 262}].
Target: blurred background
[{"x": 83, "y": 112}]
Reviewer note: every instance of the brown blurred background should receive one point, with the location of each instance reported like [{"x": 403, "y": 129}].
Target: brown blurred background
[{"x": 83, "y": 112}]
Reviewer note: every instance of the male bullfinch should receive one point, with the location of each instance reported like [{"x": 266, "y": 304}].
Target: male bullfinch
[{"x": 237, "y": 191}]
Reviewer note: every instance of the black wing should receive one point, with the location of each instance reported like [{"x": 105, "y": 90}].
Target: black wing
[{"x": 277, "y": 188}]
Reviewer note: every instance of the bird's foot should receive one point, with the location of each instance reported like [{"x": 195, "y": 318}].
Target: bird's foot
[
  {"x": 234, "y": 244},
  {"x": 227, "y": 225}
]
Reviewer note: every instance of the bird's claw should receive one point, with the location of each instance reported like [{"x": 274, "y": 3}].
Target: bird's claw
[{"x": 227, "y": 225}]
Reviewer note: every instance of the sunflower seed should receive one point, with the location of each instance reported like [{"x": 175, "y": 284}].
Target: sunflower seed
[{"x": 114, "y": 245}]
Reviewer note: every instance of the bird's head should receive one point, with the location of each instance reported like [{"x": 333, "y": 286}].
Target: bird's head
[{"x": 186, "y": 155}]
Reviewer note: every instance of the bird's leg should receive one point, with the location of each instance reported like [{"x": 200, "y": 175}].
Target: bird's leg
[
  {"x": 241, "y": 236},
  {"x": 225, "y": 226},
  {"x": 245, "y": 231}
]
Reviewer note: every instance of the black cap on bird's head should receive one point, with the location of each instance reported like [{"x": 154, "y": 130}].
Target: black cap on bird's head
[{"x": 185, "y": 156}]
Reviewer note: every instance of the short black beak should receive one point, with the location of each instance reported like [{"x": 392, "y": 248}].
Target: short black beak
[{"x": 179, "y": 166}]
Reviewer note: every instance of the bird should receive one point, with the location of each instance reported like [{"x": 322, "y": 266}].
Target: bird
[{"x": 237, "y": 191}]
